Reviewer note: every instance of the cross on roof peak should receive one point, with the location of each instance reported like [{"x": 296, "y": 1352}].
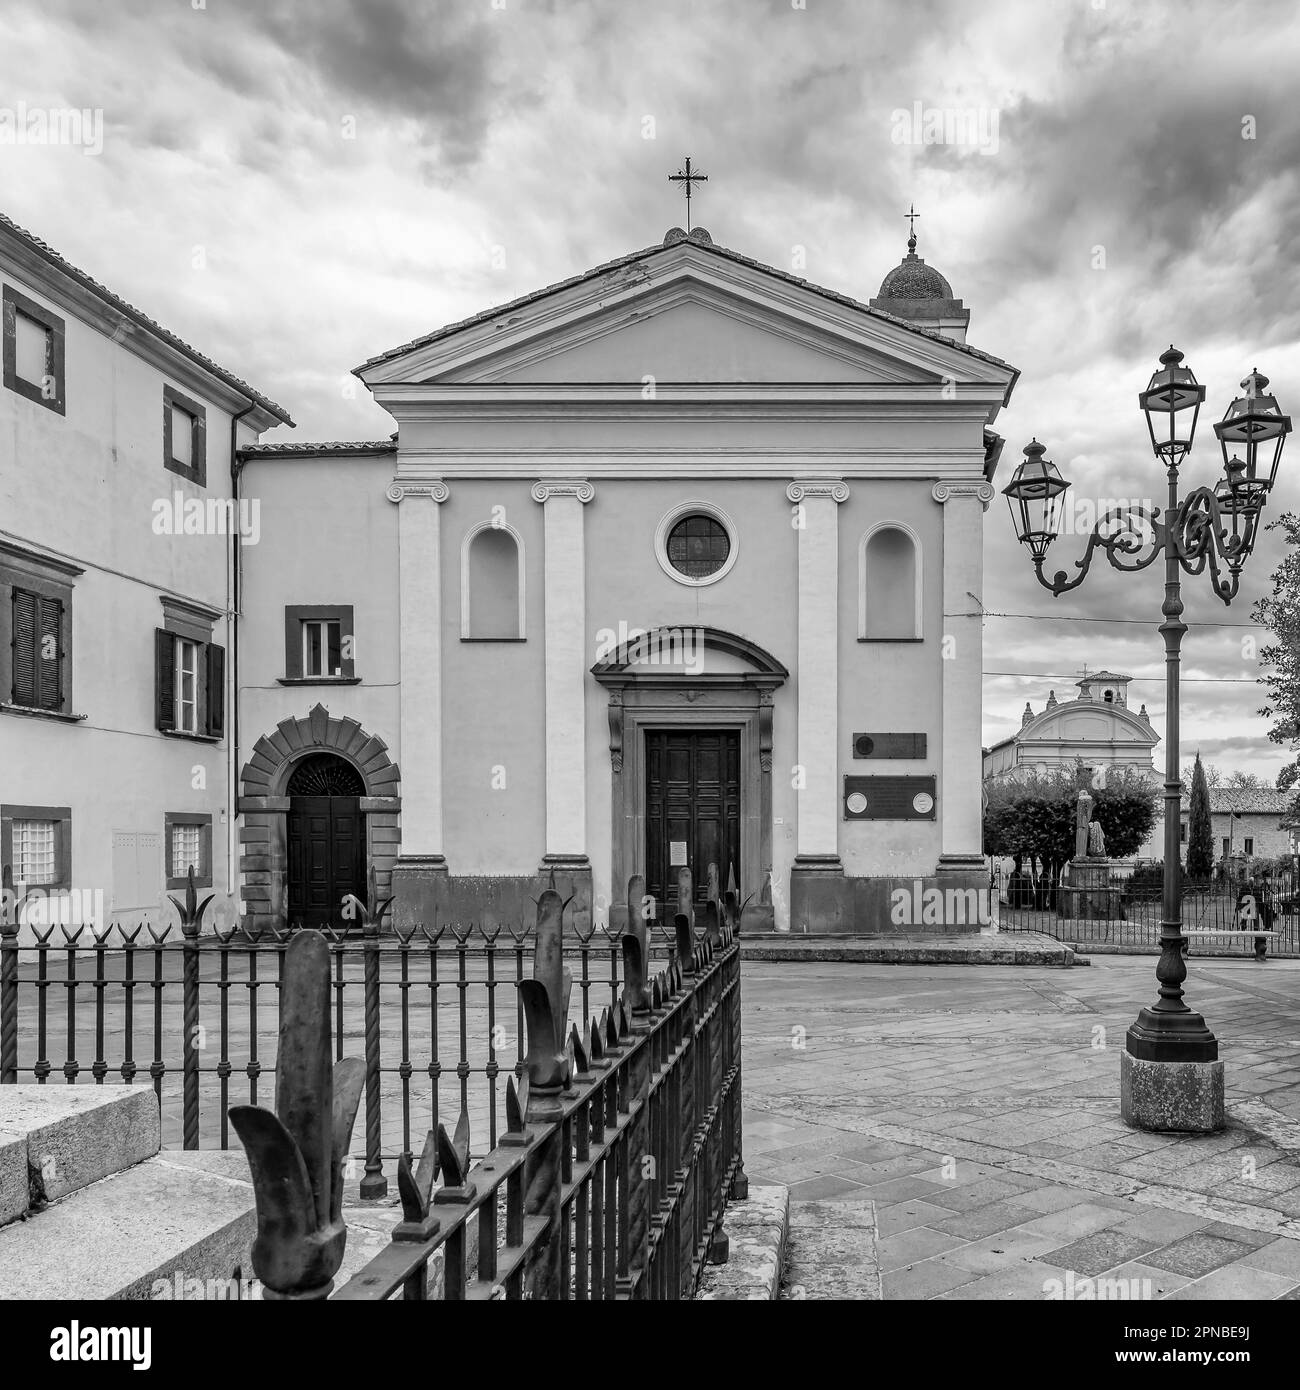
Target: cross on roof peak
[
  {"x": 686, "y": 179},
  {"x": 911, "y": 214}
]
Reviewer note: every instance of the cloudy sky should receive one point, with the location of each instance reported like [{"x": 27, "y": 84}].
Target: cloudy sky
[{"x": 294, "y": 187}]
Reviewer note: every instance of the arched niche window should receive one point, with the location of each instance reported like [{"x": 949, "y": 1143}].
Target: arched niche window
[
  {"x": 889, "y": 584},
  {"x": 492, "y": 584}
]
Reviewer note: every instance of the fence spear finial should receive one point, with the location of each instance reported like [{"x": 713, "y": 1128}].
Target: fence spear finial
[{"x": 295, "y": 1154}]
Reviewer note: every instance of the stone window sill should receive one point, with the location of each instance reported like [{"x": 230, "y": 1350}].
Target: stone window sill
[
  {"x": 318, "y": 680},
  {"x": 33, "y": 713},
  {"x": 191, "y": 738}
]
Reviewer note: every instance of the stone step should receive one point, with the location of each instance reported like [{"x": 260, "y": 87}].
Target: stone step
[
  {"x": 832, "y": 1252},
  {"x": 756, "y": 1229},
  {"x": 186, "y": 1216},
  {"x": 56, "y": 1140}
]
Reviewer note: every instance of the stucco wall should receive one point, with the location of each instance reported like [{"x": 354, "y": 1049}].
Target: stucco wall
[
  {"x": 82, "y": 486},
  {"x": 329, "y": 536},
  {"x": 893, "y": 687}
]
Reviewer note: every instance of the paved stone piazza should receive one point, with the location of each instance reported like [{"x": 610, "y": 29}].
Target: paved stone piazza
[{"x": 954, "y": 1132}]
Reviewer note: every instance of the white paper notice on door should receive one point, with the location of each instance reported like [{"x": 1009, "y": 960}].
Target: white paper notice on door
[{"x": 676, "y": 853}]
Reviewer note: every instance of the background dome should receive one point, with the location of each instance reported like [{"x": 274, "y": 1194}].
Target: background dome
[{"x": 913, "y": 279}]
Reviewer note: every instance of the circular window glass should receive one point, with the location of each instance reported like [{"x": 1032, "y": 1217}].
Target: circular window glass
[{"x": 698, "y": 546}]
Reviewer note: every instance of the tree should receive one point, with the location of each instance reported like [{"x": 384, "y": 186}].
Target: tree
[
  {"x": 1280, "y": 613},
  {"x": 1033, "y": 816},
  {"x": 1200, "y": 833},
  {"x": 1213, "y": 777},
  {"x": 1244, "y": 781}
]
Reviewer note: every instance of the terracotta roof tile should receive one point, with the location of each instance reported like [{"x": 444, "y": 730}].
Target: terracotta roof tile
[{"x": 358, "y": 446}]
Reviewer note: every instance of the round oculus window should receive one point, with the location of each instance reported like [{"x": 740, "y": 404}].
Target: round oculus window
[{"x": 698, "y": 546}]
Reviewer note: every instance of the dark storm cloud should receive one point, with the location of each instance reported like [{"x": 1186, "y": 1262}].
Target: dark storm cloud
[
  {"x": 432, "y": 63},
  {"x": 500, "y": 150}
]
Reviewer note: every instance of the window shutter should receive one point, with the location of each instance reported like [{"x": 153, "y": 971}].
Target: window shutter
[
  {"x": 50, "y": 695},
  {"x": 216, "y": 690},
  {"x": 165, "y": 677},
  {"x": 24, "y": 647}
]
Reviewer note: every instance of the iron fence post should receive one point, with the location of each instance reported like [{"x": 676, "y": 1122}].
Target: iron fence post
[
  {"x": 192, "y": 1034},
  {"x": 373, "y": 1181},
  {"x": 636, "y": 1000},
  {"x": 685, "y": 1178},
  {"x": 545, "y": 999},
  {"x": 8, "y": 981}
]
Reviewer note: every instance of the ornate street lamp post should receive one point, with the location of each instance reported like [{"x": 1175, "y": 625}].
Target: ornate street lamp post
[{"x": 1171, "y": 1076}]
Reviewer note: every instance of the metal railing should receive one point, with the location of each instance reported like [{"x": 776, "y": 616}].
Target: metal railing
[
  {"x": 437, "y": 1013},
  {"x": 622, "y": 1144},
  {"x": 1129, "y": 915}
]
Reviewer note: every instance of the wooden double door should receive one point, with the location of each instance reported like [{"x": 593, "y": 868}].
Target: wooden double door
[
  {"x": 692, "y": 809},
  {"x": 327, "y": 857}
]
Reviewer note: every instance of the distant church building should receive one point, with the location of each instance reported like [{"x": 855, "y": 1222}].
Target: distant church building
[
  {"x": 1096, "y": 728},
  {"x": 675, "y": 562}
]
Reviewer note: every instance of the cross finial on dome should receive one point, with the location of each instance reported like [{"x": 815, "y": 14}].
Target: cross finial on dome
[{"x": 911, "y": 214}]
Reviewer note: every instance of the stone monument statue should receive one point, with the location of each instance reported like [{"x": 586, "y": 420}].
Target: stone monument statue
[
  {"x": 1096, "y": 841},
  {"x": 1082, "y": 815}
]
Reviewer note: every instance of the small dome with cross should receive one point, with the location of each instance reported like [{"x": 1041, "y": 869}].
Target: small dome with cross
[
  {"x": 913, "y": 279},
  {"x": 917, "y": 292}
]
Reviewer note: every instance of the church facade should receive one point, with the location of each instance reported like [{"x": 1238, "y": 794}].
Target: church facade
[
  {"x": 674, "y": 563},
  {"x": 1096, "y": 728},
  {"x": 667, "y": 564}
]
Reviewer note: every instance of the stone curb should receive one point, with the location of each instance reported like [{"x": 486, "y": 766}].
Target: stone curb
[
  {"x": 889, "y": 951},
  {"x": 757, "y": 1229}
]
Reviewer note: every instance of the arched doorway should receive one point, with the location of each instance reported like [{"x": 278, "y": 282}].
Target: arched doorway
[
  {"x": 265, "y": 802},
  {"x": 690, "y": 743},
  {"x": 326, "y": 834}
]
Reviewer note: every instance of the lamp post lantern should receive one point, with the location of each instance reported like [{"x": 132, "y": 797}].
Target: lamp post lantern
[{"x": 1171, "y": 1076}]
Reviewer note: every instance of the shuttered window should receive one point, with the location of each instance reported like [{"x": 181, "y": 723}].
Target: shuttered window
[
  {"x": 37, "y": 645},
  {"x": 189, "y": 685}
]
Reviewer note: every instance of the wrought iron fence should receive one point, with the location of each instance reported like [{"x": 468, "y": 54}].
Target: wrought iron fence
[
  {"x": 1129, "y": 916},
  {"x": 436, "y": 1011},
  {"x": 620, "y": 1150}
]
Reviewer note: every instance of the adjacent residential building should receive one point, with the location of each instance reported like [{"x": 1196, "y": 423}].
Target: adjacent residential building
[
  {"x": 1246, "y": 821},
  {"x": 117, "y": 588}
]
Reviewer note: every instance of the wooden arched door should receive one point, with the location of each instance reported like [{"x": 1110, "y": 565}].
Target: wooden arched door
[{"x": 326, "y": 839}]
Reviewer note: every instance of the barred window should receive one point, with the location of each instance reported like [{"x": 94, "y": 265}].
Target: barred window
[
  {"x": 185, "y": 851},
  {"x": 34, "y": 851}
]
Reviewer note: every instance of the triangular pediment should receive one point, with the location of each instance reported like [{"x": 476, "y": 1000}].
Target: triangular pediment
[
  {"x": 690, "y": 314},
  {"x": 691, "y": 332}
]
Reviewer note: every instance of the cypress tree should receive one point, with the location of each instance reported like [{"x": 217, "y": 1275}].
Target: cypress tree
[{"x": 1200, "y": 833}]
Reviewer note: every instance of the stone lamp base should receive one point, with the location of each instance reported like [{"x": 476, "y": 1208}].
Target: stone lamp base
[{"x": 1186, "y": 1097}]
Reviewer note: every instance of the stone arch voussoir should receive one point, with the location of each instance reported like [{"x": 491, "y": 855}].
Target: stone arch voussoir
[{"x": 264, "y": 805}]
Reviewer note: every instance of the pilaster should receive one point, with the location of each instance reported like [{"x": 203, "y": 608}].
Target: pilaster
[{"x": 566, "y": 663}]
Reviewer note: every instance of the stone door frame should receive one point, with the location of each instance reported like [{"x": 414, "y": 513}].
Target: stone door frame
[
  {"x": 264, "y": 807},
  {"x": 644, "y": 697}
]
